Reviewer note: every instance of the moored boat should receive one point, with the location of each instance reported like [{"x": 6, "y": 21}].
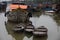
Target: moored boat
[
  {"x": 41, "y": 31},
  {"x": 29, "y": 28},
  {"x": 51, "y": 11},
  {"x": 3, "y": 6},
  {"x": 17, "y": 15}
]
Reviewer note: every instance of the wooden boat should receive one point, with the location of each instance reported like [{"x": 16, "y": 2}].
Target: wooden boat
[
  {"x": 51, "y": 11},
  {"x": 3, "y": 6},
  {"x": 41, "y": 31},
  {"x": 18, "y": 28},
  {"x": 17, "y": 15},
  {"x": 17, "y": 12},
  {"x": 29, "y": 28}
]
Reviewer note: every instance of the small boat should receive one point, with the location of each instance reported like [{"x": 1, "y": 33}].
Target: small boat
[
  {"x": 18, "y": 28},
  {"x": 51, "y": 11},
  {"x": 3, "y": 6},
  {"x": 29, "y": 28},
  {"x": 41, "y": 31}
]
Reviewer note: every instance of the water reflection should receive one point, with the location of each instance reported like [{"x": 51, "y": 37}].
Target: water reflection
[
  {"x": 44, "y": 20},
  {"x": 17, "y": 36},
  {"x": 6, "y": 32},
  {"x": 39, "y": 38},
  {"x": 26, "y": 38},
  {"x": 48, "y": 22},
  {"x": 57, "y": 18},
  {"x": 28, "y": 35},
  {"x": 3, "y": 32}
]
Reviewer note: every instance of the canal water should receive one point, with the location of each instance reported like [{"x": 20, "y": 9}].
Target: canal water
[
  {"x": 38, "y": 20},
  {"x": 6, "y": 32}
]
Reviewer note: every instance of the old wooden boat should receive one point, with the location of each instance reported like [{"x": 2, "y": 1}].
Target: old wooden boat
[
  {"x": 29, "y": 28},
  {"x": 18, "y": 15},
  {"x": 41, "y": 31},
  {"x": 17, "y": 12}
]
